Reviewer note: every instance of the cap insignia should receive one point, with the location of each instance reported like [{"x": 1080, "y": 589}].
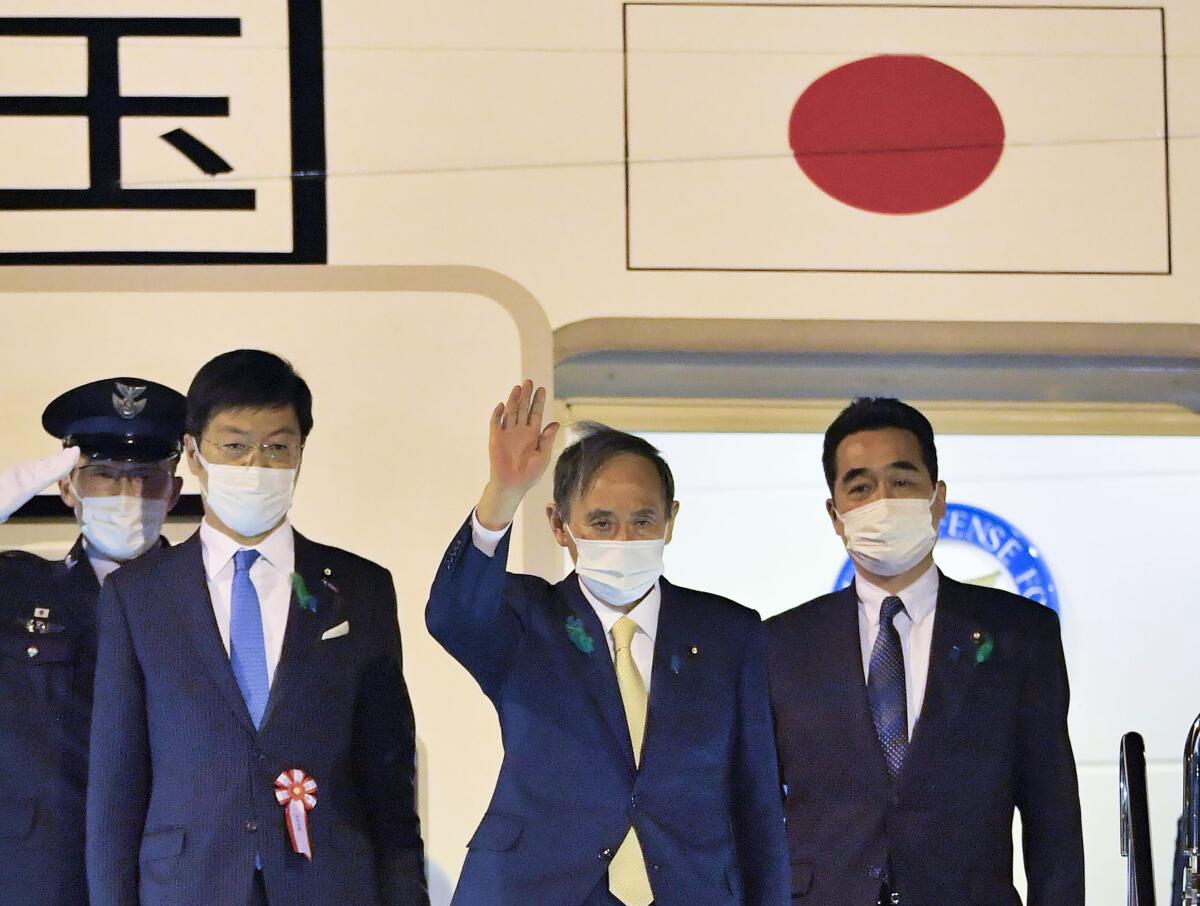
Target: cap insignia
[{"x": 126, "y": 401}]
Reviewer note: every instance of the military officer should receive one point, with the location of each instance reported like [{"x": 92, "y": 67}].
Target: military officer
[{"x": 121, "y": 442}]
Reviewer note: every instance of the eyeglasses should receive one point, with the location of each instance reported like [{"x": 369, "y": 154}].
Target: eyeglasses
[
  {"x": 234, "y": 452},
  {"x": 111, "y": 479}
]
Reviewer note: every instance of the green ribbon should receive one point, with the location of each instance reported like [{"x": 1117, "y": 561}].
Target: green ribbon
[
  {"x": 984, "y": 648},
  {"x": 579, "y": 636},
  {"x": 306, "y": 599}
]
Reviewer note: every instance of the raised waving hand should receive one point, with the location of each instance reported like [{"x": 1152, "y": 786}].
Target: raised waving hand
[{"x": 519, "y": 451}]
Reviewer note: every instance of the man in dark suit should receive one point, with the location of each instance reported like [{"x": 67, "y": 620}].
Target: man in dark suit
[
  {"x": 256, "y": 741},
  {"x": 639, "y": 764},
  {"x": 914, "y": 713},
  {"x": 121, "y": 442}
]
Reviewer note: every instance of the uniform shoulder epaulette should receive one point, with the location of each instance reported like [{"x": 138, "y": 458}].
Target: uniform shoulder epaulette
[
  {"x": 19, "y": 562},
  {"x": 18, "y": 554}
]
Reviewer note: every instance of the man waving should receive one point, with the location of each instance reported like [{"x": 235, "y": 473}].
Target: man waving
[{"x": 639, "y": 759}]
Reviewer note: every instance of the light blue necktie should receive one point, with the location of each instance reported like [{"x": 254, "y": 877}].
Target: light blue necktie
[
  {"x": 886, "y": 688},
  {"x": 247, "y": 650}
]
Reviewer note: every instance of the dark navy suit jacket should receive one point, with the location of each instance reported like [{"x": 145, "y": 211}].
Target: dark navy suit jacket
[
  {"x": 45, "y": 713},
  {"x": 181, "y": 794},
  {"x": 706, "y": 800},
  {"x": 992, "y": 736}
]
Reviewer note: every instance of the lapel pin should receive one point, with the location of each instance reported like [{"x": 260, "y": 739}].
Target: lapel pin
[
  {"x": 329, "y": 584},
  {"x": 984, "y": 645},
  {"x": 676, "y": 664},
  {"x": 39, "y": 623},
  {"x": 695, "y": 650}
]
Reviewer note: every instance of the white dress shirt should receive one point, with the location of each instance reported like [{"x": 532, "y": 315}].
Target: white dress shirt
[
  {"x": 914, "y": 624},
  {"x": 271, "y": 575},
  {"x": 101, "y": 566},
  {"x": 644, "y": 614}
]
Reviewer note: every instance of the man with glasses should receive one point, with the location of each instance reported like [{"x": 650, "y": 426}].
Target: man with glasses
[
  {"x": 121, "y": 444},
  {"x": 259, "y": 739}
]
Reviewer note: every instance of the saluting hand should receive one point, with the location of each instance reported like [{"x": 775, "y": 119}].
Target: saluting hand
[
  {"x": 519, "y": 449},
  {"x": 19, "y": 483}
]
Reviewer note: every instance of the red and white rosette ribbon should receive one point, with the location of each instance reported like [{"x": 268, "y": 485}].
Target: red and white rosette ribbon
[{"x": 296, "y": 792}]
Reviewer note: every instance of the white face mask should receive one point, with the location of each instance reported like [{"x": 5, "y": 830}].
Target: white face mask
[
  {"x": 121, "y": 527},
  {"x": 250, "y": 500},
  {"x": 618, "y": 572},
  {"x": 890, "y": 536}
]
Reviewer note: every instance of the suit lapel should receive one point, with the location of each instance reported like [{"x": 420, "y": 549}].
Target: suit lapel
[
  {"x": 846, "y": 648},
  {"x": 951, "y": 670},
  {"x": 81, "y": 575},
  {"x": 599, "y": 675},
  {"x": 187, "y": 583},
  {"x": 304, "y": 626},
  {"x": 81, "y": 580},
  {"x": 665, "y": 668}
]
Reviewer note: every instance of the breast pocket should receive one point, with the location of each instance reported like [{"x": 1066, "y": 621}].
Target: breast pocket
[
  {"x": 335, "y": 670},
  {"x": 38, "y": 672},
  {"x": 35, "y": 650}
]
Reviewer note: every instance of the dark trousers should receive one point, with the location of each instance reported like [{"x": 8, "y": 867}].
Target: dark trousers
[{"x": 258, "y": 891}]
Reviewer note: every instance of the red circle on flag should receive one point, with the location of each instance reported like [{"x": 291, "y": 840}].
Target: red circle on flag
[{"x": 896, "y": 134}]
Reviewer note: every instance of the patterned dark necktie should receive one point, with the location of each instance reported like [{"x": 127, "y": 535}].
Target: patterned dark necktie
[{"x": 886, "y": 688}]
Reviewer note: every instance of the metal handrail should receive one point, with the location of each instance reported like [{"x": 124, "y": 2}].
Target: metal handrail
[
  {"x": 1189, "y": 892},
  {"x": 1135, "y": 822}
]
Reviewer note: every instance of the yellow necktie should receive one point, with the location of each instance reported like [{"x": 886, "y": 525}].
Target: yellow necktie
[{"x": 627, "y": 878}]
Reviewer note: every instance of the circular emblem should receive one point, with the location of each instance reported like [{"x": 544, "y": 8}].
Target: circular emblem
[{"x": 980, "y": 548}]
